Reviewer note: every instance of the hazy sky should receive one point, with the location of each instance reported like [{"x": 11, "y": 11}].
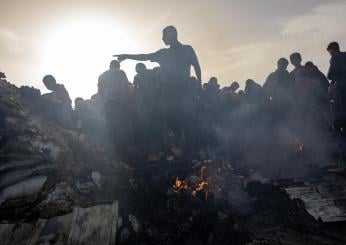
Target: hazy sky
[{"x": 234, "y": 39}]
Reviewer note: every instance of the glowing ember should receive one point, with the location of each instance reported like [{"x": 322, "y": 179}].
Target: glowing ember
[
  {"x": 201, "y": 183},
  {"x": 180, "y": 184}
]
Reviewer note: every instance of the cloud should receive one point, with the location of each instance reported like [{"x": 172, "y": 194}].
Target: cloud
[
  {"x": 9, "y": 40},
  {"x": 8, "y": 34},
  {"x": 308, "y": 33}
]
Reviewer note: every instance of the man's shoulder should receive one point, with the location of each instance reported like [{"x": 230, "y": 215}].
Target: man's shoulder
[
  {"x": 104, "y": 73},
  {"x": 61, "y": 87},
  {"x": 343, "y": 56},
  {"x": 187, "y": 47}
]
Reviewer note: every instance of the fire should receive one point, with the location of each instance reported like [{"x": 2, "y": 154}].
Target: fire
[
  {"x": 201, "y": 182},
  {"x": 180, "y": 184}
]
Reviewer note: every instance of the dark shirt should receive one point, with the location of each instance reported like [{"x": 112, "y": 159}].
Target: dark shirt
[
  {"x": 278, "y": 79},
  {"x": 337, "y": 69},
  {"x": 60, "y": 93},
  {"x": 299, "y": 74},
  {"x": 278, "y": 85},
  {"x": 113, "y": 84},
  {"x": 175, "y": 62}
]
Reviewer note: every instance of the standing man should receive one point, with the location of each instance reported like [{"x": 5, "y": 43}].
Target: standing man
[
  {"x": 175, "y": 65},
  {"x": 58, "y": 101},
  {"x": 114, "y": 92},
  {"x": 175, "y": 61},
  {"x": 337, "y": 74}
]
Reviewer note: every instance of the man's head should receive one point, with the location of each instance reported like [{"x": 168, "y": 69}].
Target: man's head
[
  {"x": 2, "y": 75},
  {"x": 140, "y": 68},
  {"x": 213, "y": 83},
  {"x": 78, "y": 100},
  {"x": 333, "y": 48},
  {"x": 114, "y": 64},
  {"x": 170, "y": 35},
  {"x": 234, "y": 86},
  {"x": 310, "y": 66},
  {"x": 50, "y": 82},
  {"x": 282, "y": 64},
  {"x": 296, "y": 59},
  {"x": 249, "y": 86}
]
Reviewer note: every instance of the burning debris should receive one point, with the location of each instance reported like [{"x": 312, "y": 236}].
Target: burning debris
[
  {"x": 211, "y": 200},
  {"x": 203, "y": 182}
]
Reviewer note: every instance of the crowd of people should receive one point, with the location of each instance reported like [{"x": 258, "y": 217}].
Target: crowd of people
[{"x": 168, "y": 105}]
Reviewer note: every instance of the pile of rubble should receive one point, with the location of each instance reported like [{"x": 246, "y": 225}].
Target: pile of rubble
[
  {"x": 43, "y": 166},
  {"x": 58, "y": 187}
]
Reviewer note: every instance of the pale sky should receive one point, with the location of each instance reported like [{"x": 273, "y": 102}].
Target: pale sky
[{"x": 234, "y": 39}]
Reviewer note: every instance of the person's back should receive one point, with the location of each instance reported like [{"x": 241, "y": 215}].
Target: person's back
[
  {"x": 62, "y": 94},
  {"x": 299, "y": 72},
  {"x": 337, "y": 71},
  {"x": 337, "y": 74},
  {"x": 59, "y": 92},
  {"x": 114, "y": 91},
  {"x": 58, "y": 102},
  {"x": 113, "y": 84},
  {"x": 317, "y": 79},
  {"x": 280, "y": 82}
]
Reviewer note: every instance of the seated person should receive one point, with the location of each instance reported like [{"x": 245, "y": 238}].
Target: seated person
[{"x": 59, "y": 101}]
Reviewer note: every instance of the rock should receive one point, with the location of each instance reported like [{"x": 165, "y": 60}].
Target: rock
[
  {"x": 86, "y": 187},
  {"x": 120, "y": 222},
  {"x": 154, "y": 158},
  {"x": 57, "y": 202},
  {"x": 136, "y": 226},
  {"x": 25, "y": 188},
  {"x": 170, "y": 158},
  {"x": 17, "y": 175},
  {"x": 177, "y": 151},
  {"x": 16, "y": 161},
  {"x": 97, "y": 179},
  {"x": 124, "y": 235},
  {"x": 221, "y": 215},
  {"x": 49, "y": 149},
  {"x": 15, "y": 233}
]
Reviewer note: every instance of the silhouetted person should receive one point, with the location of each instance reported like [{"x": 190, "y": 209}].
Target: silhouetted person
[
  {"x": 253, "y": 90},
  {"x": 337, "y": 74},
  {"x": 301, "y": 86},
  {"x": 147, "y": 86},
  {"x": 58, "y": 91},
  {"x": 299, "y": 72},
  {"x": 278, "y": 88},
  {"x": 175, "y": 65},
  {"x": 337, "y": 69},
  {"x": 141, "y": 69},
  {"x": 317, "y": 86},
  {"x": 2, "y": 76},
  {"x": 58, "y": 101},
  {"x": 234, "y": 87},
  {"x": 114, "y": 91},
  {"x": 229, "y": 99},
  {"x": 175, "y": 61},
  {"x": 279, "y": 79},
  {"x": 211, "y": 92},
  {"x": 315, "y": 74}
]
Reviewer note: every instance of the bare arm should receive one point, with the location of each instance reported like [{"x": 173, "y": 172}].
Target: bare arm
[
  {"x": 196, "y": 66},
  {"x": 139, "y": 57}
]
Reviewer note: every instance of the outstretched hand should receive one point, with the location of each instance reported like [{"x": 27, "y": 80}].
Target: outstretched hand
[{"x": 121, "y": 57}]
